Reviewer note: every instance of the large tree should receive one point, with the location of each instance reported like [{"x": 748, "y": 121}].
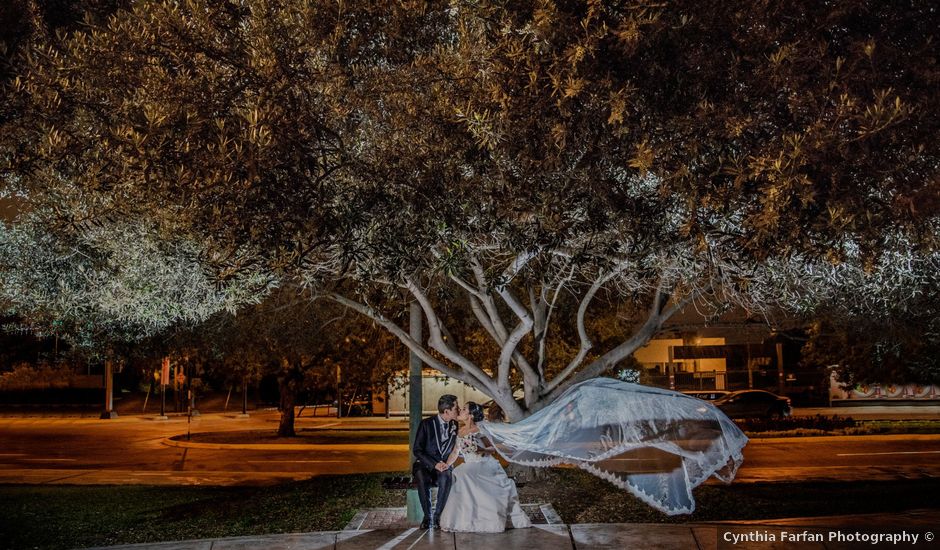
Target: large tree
[
  {"x": 503, "y": 162},
  {"x": 301, "y": 342}
]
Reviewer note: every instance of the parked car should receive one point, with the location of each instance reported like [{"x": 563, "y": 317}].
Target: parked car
[
  {"x": 754, "y": 404},
  {"x": 708, "y": 395}
]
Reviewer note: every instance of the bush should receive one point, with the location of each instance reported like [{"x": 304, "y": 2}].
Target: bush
[
  {"x": 46, "y": 383},
  {"x": 818, "y": 422},
  {"x": 39, "y": 377}
]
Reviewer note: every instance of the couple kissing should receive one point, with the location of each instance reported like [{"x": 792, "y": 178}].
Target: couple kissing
[{"x": 477, "y": 496}]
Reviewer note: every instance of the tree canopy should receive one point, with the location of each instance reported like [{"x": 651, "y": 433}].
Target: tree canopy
[
  {"x": 882, "y": 326},
  {"x": 111, "y": 283},
  {"x": 500, "y": 161}
]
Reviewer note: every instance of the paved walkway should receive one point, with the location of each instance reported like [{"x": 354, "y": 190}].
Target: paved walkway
[
  {"x": 908, "y": 530},
  {"x": 396, "y": 518}
]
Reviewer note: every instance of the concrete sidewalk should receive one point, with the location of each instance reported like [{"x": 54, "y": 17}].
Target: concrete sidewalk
[{"x": 821, "y": 533}]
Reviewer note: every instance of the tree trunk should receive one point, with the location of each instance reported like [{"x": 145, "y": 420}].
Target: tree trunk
[
  {"x": 286, "y": 426},
  {"x": 511, "y": 408},
  {"x": 288, "y": 384}
]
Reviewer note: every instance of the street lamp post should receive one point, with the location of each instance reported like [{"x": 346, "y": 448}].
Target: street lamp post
[{"x": 244, "y": 397}]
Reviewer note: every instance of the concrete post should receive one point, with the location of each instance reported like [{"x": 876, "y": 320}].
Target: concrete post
[
  {"x": 108, "y": 390},
  {"x": 415, "y": 404}
]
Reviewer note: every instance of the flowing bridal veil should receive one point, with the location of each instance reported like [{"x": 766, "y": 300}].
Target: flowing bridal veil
[{"x": 657, "y": 444}]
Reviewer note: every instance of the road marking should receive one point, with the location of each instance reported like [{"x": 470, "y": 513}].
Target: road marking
[
  {"x": 891, "y": 453},
  {"x": 325, "y": 425},
  {"x": 415, "y": 543},
  {"x": 49, "y": 459},
  {"x": 391, "y": 544},
  {"x": 297, "y": 461},
  {"x": 56, "y": 480},
  {"x": 12, "y": 454}
]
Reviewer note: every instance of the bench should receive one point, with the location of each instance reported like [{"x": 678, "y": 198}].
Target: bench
[{"x": 393, "y": 483}]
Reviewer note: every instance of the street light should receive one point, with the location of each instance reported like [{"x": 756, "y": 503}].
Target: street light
[{"x": 244, "y": 396}]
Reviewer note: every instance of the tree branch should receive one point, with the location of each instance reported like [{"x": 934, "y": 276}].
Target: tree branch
[
  {"x": 548, "y": 317},
  {"x": 402, "y": 335},
  {"x": 491, "y": 321},
  {"x": 539, "y": 313},
  {"x": 489, "y": 304},
  {"x": 509, "y": 349},
  {"x": 474, "y": 292},
  {"x": 658, "y": 314},
  {"x": 465, "y": 376},
  {"x": 586, "y": 343},
  {"x": 484, "y": 320},
  {"x": 517, "y": 264},
  {"x": 436, "y": 339}
]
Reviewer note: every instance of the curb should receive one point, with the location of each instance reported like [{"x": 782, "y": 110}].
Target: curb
[
  {"x": 871, "y": 519},
  {"x": 826, "y": 438},
  {"x": 350, "y": 447}
]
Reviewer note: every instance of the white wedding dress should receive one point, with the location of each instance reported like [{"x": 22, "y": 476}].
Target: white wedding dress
[{"x": 482, "y": 497}]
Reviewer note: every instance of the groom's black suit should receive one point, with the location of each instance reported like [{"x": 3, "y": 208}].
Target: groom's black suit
[{"x": 433, "y": 443}]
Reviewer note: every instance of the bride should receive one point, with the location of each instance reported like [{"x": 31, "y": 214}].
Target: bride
[{"x": 482, "y": 496}]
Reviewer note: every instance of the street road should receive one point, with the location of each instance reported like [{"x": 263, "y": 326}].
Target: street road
[
  {"x": 841, "y": 458},
  {"x": 134, "y": 450}
]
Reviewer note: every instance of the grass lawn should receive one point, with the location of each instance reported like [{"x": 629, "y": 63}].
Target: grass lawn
[
  {"x": 79, "y": 516},
  {"x": 62, "y": 516}
]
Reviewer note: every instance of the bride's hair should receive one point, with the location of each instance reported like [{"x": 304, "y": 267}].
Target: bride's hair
[{"x": 476, "y": 411}]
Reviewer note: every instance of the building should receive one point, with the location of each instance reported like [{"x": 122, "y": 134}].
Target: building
[{"x": 434, "y": 385}]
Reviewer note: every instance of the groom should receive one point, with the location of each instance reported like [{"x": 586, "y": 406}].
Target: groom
[{"x": 433, "y": 443}]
